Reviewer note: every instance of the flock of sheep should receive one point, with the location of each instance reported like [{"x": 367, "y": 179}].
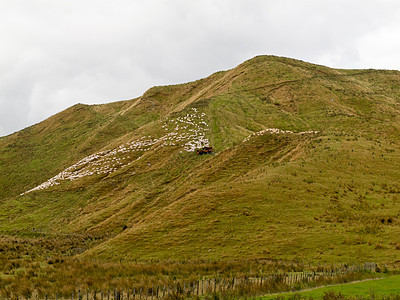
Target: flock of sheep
[
  {"x": 188, "y": 131},
  {"x": 277, "y": 131}
]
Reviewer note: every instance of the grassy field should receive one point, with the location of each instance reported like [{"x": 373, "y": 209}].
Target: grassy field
[
  {"x": 369, "y": 288},
  {"x": 322, "y": 197}
]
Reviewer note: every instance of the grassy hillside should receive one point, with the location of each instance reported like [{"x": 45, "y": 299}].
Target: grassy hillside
[{"x": 305, "y": 167}]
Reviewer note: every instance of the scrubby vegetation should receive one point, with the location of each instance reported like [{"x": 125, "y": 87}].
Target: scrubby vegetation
[{"x": 28, "y": 278}]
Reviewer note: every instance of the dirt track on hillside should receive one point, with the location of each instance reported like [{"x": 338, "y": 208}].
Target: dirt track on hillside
[{"x": 322, "y": 286}]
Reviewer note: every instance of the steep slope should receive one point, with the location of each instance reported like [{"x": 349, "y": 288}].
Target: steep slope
[{"x": 305, "y": 165}]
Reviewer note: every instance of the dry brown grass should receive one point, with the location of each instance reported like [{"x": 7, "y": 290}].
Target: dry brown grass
[{"x": 68, "y": 275}]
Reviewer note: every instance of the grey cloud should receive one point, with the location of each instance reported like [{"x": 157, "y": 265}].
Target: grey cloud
[{"x": 57, "y": 53}]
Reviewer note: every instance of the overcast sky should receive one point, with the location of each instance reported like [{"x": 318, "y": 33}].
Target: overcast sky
[{"x": 56, "y": 53}]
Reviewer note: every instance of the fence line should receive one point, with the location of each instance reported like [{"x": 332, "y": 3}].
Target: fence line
[{"x": 211, "y": 286}]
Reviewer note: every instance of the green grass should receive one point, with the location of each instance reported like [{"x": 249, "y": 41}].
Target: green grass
[
  {"x": 330, "y": 197},
  {"x": 375, "y": 287}
]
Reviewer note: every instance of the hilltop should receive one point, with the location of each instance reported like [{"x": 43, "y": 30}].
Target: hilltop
[{"x": 306, "y": 166}]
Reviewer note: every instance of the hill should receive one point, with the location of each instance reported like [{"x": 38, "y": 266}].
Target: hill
[{"x": 305, "y": 167}]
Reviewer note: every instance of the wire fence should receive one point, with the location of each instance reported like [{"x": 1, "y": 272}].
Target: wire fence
[{"x": 212, "y": 286}]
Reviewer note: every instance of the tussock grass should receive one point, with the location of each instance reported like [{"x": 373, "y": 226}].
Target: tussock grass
[{"x": 64, "y": 276}]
